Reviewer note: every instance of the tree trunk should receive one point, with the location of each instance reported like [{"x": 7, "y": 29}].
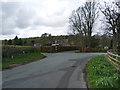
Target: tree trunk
[
  {"x": 118, "y": 48},
  {"x": 118, "y": 41},
  {"x": 118, "y": 34},
  {"x": 114, "y": 42}
]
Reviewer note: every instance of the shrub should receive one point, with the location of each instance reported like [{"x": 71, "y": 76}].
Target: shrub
[{"x": 8, "y": 51}]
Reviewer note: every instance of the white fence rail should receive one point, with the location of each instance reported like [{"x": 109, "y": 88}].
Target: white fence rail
[{"x": 114, "y": 59}]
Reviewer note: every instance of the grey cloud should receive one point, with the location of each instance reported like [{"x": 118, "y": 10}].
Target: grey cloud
[
  {"x": 9, "y": 8},
  {"x": 15, "y": 15},
  {"x": 8, "y": 32},
  {"x": 8, "y": 17},
  {"x": 58, "y": 13},
  {"x": 56, "y": 21},
  {"x": 8, "y": 26},
  {"x": 50, "y": 23},
  {"x": 24, "y": 18}
]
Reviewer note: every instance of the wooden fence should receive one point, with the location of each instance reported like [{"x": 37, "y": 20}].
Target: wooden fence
[{"x": 114, "y": 59}]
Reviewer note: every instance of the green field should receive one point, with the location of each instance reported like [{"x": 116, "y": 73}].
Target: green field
[
  {"x": 101, "y": 74},
  {"x": 21, "y": 59}
]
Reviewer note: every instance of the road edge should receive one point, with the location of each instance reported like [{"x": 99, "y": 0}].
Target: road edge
[
  {"x": 85, "y": 76},
  {"x": 24, "y": 63}
]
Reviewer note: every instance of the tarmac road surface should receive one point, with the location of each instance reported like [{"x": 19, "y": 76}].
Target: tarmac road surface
[{"x": 57, "y": 70}]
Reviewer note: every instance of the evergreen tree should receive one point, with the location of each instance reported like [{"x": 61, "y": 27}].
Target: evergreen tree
[
  {"x": 9, "y": 42},
  {"x": 16, "y": 41}
]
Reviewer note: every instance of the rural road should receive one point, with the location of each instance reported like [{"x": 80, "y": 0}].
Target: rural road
[{"x": 57, "y": 70}]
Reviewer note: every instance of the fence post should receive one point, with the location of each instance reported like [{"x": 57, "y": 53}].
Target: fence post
[
  {"x": 117, "y": 57},
  {"x": 113, "y": 58}
]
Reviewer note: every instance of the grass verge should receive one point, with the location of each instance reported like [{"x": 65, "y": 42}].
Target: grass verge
[
  {"x": 90, "y": 51},
  {"x": 101, "y": 74},
  {"x": 20, "y": 60}
]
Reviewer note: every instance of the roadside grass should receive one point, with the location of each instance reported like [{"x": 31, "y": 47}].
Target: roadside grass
[
  {"x": 101, "y": 74},
  {"x": 21, "y": 59},
  {"x": 90, "y": 51}
]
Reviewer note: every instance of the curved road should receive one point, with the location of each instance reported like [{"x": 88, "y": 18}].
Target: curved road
[{"x": 57, "y": 70}]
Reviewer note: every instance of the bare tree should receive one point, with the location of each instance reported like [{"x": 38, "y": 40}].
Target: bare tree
[
  {"x": 90, "y": 15},
  {"x": 118, "y": 26},
  {"x": 112, "y": 17},
  {"x": 83, "y": 19}
]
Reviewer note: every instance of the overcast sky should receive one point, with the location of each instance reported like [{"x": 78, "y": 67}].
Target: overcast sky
[{"x": 31, "y": 18}]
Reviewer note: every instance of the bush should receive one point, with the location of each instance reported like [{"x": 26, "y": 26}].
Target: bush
[
  {"x": 58, "y": 48},
  {"x": 92, "y": 50},
  {"x": 8, "y": 51}
]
